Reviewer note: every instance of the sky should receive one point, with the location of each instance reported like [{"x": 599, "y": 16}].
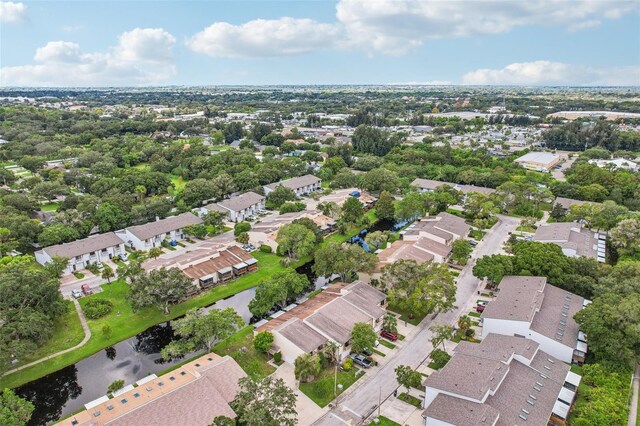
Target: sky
[{"x": 266, "y": 42}]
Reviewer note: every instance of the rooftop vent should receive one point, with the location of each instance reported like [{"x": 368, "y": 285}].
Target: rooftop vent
[
  {"x": 537, "y": 388},
  {"x": 525, "y": 411},
  {"x": 530, "y": 402},
  {"x": 547, "y": 367},
  {"x": 523, "y": 417},
  {"x": 539, "y": 384},
  {"x": 532, "y": 397},
  {"x": 551, "y": 361}
]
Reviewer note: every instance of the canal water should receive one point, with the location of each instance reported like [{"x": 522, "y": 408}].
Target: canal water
[
  {"x": 66, "y": 391},
  {"x": 381, "y": 225}
]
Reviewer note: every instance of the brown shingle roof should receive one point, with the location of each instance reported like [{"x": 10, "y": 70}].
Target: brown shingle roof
[
  {"x": 223, "y": 259},
  {"x": 162, "y": 226},
  {"x": 337, "y": 318},
  {"x": 366, "y": 298},
  {"x": 301, "y": 335},
  {"x": 84, "y": 246},
  {"x": 461, "y": 412}
]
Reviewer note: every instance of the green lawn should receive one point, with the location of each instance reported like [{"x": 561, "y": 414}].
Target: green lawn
[
  {"x": 383, "y": 421},
  {"x": 321, "y": 389},
  {"x": 530, "y": 229},
  {"x": 410, "y": 399},
  {"x": 177, "y": 182},
  {"x": 67, "y": 332},
  {"x": 404, "y": 316},
  {"x": 50, "y": 207},
  {"x": 477, "y": 234},
  {"x": 387, "y": 344},
  {"x": 125, "y": 323},
  {"x": 474, "y": 314},
  {"x": 377, "y": 352},
  {"x": 254, "y": 363}
]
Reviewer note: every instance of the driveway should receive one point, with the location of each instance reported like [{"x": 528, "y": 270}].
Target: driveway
[
  {"x": 307, "y": 410},
  {"x": 364, "y": 400}
]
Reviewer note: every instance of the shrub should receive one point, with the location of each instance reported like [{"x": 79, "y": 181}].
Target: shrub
[
  {"x": 263, "y": 341},
  {"x": 292, "y": 207},
  {"x": 97, "y": 308},
  {"x": 440, "y": 359},
  {"x": 116, "y": 385},
  {"x": 277, "y": 358},
  {"x": 348, "y": 364},
  {"x": 469, "y": 333},
  {"x": 266, "y": 249},
  {"x": 241, "y": 227}
]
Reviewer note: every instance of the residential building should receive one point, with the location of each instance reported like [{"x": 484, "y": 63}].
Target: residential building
[
  {"x": 301, "y": 185},
  {"x": 574, "y": 239},
  {"x": 529, "y": 307},
  {"x": 152, "y": 234},
  {"x": 266, "y": 231},
  {"x": 539, "y": 161},
  {"x": 430, "y": 239},
  {"x": 193, "y": 394},
  {"x": 327, "y": 317},
  {"x": 93, "y": 249},
  {"x": 566, "y": 203},
  {"x": 501, "y": 381},
  {"x": 237, "y": 208},
  {"x": 219, "y": 268},
  {"x": 429, "y": 185}
]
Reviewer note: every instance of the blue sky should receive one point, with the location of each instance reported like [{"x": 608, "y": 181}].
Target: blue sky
[{"x": 145, "y": 43}]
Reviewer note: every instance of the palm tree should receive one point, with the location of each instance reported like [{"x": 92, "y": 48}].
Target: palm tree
[
  {"x": 155, "y": 252},
  {"x": 130, "y": 271},
  {"x": 307, "y": 366},
  {"x": 107, "y": 274},
  {"x": 390, "y": 323},
  {"x": 464, "y": 323}
]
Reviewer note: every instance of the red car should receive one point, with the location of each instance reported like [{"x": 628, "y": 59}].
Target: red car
[
  {"x": 86, "y": 289},
  {"x": 389, "y": 335},
  {"x": 480, "y": 307}
]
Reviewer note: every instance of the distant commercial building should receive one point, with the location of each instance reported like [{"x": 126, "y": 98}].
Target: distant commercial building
[
  {"x": 529, "y": 307},
  {"x": 616, "y": 163},
  {"x": 539, "y": 161},
  {"x": 299, "y": 185},
  {"x": 502, "y": 381}
]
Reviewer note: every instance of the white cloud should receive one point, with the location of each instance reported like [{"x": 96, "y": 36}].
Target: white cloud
[
  {"x": 11, "y": 12},
  {"x": 264, "y": 38},
  {"x": 554, "y": 73},
  {"x": 395, "y": 27},
  {"x": 142, "y": 56},
  {"x": 584, "y": 25}
]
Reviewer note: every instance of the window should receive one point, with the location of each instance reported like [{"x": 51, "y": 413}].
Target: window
[
  {"x": 123, "y": 400},
  {"x": 136, "y": 395}
]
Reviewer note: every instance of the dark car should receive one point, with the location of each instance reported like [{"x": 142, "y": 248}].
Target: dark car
[
  {"x": 480, "y": 306},
  {"x": 361, "y": 360},
  {"x": 389, "y": 335}
]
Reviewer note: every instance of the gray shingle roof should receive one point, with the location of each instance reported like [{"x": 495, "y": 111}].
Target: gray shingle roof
[
  {"x": 84, "y": 246},
  {"x": 518, "y": 299},
  {"x": 296, "y": 182},
  {"x": 301, "y": 335},
  {"x": 337, "y": 318},
  {"x": 241, "y": 202},
  {"x": 162, "y": 226}
]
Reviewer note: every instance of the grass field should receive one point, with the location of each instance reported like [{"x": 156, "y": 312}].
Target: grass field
[
  {"x": 177, "y": 182},
  {"x": 410, "y": 399},
  {"x": 383, "y": 421},
  {"x": 321, "y": 389},
  {"x": 387, "y": 344},
  {"x": 253, "y": 363},
  {"x": 50, "y": 207}
]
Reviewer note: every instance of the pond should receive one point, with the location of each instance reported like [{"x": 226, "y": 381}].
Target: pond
[
  {"x": 381, "y": 225},
  {"x": 66, "y": 391}
]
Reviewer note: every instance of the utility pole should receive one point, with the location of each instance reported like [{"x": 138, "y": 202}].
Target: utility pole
[{"x": 379, "y": 400}]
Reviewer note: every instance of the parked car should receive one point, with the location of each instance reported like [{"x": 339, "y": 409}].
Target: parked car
[
  {"x": 76, "y": 293},
  {"x": 99, "y": 265},
  {"x": 86, "y": 289},
  {"x": 367, "y": 352},
  {"x": 389, "y": 335},
  {"x": 481, "y": 305},
  {"x": 473, "y": 242},
  {"x": 361, "y": 360}
]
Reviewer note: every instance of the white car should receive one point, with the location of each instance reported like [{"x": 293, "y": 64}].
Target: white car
[{"x": 76, "y": 293}]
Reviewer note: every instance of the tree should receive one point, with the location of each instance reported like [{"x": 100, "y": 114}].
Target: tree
[
  {"x": 233, "y": 132},
  {"x": 200, "y": 330},
  {"x": 345, "y": 260},
  {"x": 352, "y": 211},
  {"x": 57, "y": 233},
  {"x": 420, "y": 289},
  {"x": 280, "y": 288},
  {"x": 50, "y": 190},
  {"x": 412, "y": 205},
  {"x": 13, "y": 409},
  {"x": 243, "y": 238},
  {"x": 626, "y": 236},
  {"x": 279, "y": 196},
  {"x": 107, "y": 331},
  {"x": 377, "y": 239},
  {"x": 493, "y": 267},
  {"x": 464, "y": 324},
  {"x": 408, "y": 377},
  {"x": 267, "y": 402},
  {"x": 385, "y": 206},
  {"x": 363, "y": 337},
  {"x": 311, "y": 226},
  {"x": 197, "y": 230},
  {"x": 307, "y": 366},
  {"x": 161, "y": 288},
  {"x": 612, "y": 321},
  {"x": 541, "y": 259},
  {"x": 130, "y": 271},
  {"x": 263, "y": 341},
  {"x": 441, "y": 333},
  {"x": 622, "y": 279},
  {"x": 241, "y": 227},
  {"x": 56, "y": 266},
  {"x": 329, "y": 208},
  {"x": 289, "y": 207},
  {"x": 461, "y": 251},
  {"x": 107, "y": 274},
  {"x": 110, "y": 217},
  {"x": 198, "y": 190},
  {"x": 371, "y": 140},
  {"x": 380, "y": 179},
  {"x": 223, "y": 421},
  {"x": 390, "y": 323},
  {"x": 215, "y": 220},
  {"x": 295, "y": 240},
  {"x": 155, "y": 252}
]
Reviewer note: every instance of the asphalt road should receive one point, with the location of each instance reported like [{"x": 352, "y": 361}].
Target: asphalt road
[{"x": 364, "y": 400}]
